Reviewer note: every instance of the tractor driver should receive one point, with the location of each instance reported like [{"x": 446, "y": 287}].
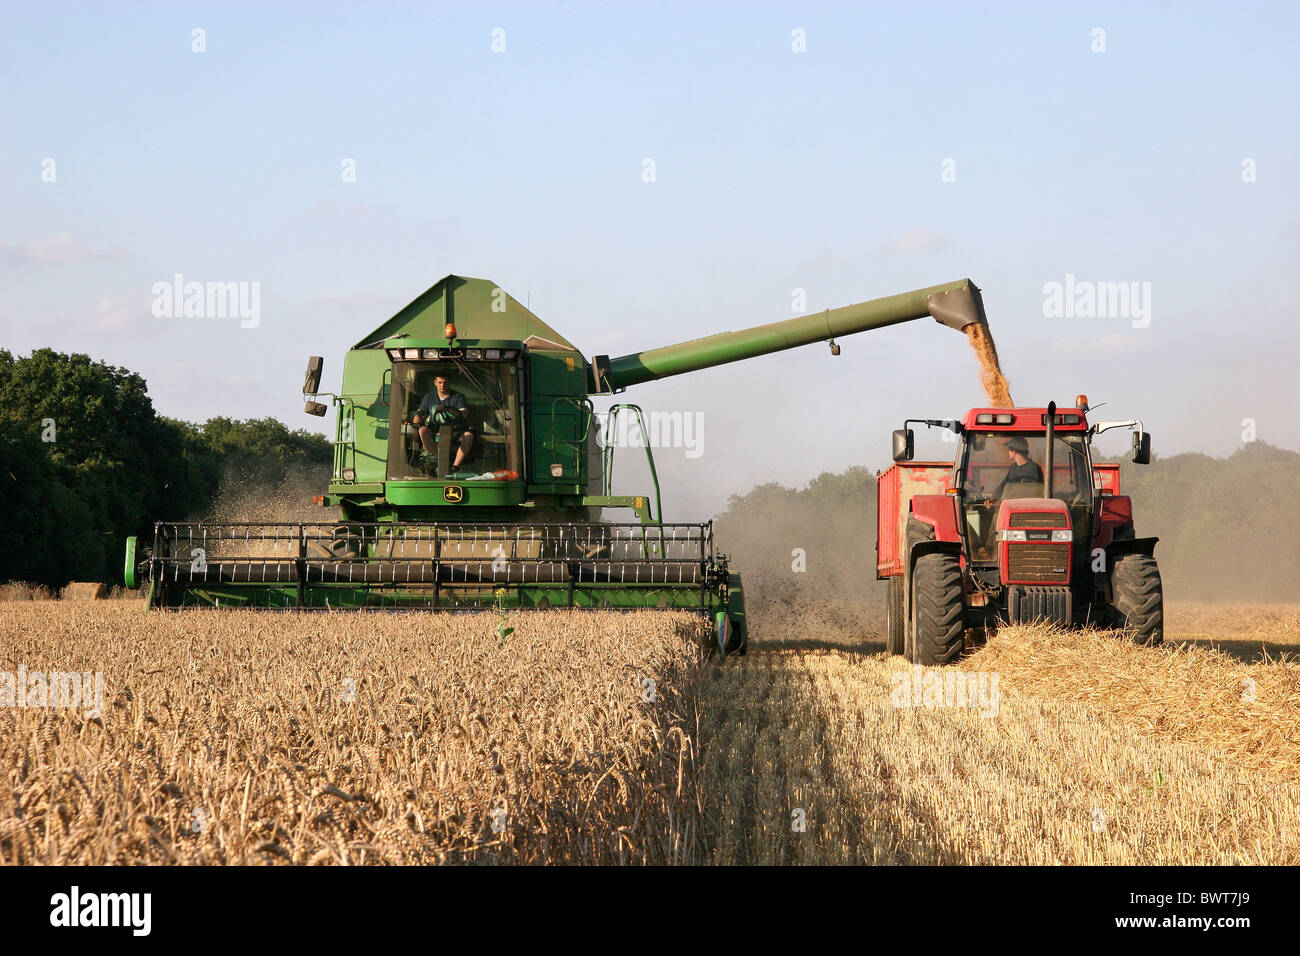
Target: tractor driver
[
  {"x": 442, "y": 406},
  {"x": 1023, "y": 470}
]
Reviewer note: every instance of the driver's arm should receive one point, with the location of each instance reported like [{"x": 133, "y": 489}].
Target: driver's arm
[{"x": 458, "y": 401}]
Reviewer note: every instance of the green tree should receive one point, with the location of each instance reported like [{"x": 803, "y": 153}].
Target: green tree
[{"x": 85, "y": 461}]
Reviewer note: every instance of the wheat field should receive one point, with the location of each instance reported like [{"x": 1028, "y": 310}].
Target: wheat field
[{"x": 249, "y": 738}]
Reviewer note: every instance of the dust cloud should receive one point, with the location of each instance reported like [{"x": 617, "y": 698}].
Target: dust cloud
[
  {"x": 267, "y": 497},
  {"x": 807, "y": 559}
]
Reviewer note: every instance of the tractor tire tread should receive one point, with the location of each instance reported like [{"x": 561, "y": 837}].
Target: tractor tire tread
[
  {"x": 939, "y": 608},
  {"x": 1138, "y": 598}
]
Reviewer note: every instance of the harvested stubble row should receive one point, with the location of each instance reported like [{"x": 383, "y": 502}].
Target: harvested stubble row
[
  {"x": 1244, "y": 714},
  {"x": 240, "y": 737},
  {"x": 1098, "y": 752}
]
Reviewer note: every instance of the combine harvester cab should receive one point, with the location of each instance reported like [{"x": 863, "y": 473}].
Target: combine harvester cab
[
  {"x": 468, "y": 473},
  {"x": 1022, "y": 527}
]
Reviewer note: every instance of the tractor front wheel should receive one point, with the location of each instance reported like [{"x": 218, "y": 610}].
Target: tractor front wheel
[
  {"x": 938, "y": 610},
  {"x": 894, "y": 616},
  {"x": 1138, "y": 599}
]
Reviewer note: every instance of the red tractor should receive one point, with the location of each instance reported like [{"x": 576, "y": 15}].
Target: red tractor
[{"x": 1022, "y": 527}]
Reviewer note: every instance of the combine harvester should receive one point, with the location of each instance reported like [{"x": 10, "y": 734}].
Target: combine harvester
[
  {"x": 518, "y": 523},
  {"x": 1022, "y": 527}
]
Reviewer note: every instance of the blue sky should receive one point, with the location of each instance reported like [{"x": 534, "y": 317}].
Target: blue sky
[{"x": 775, "y": 170}]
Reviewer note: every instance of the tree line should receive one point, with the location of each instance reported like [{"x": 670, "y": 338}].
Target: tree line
[{"x": 85, "y": 461}]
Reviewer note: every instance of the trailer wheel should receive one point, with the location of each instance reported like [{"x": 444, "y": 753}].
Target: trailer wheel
[
  {"x": 1138, "y": 598},
  {"x": 938, "y": 610},
  {"x": 894, "y": 616}
]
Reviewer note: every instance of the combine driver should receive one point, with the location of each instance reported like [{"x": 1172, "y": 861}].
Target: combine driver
[{"x": 442, "y": 406}]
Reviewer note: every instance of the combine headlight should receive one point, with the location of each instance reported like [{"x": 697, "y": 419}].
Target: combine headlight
[
  {"x": 349, "y": 474},
  {"x": 412, "y": 353},
  {"x": 557, "y": 471},
  {"x": 1012, "y": 534},
  {"x": 474, "y": 355},
  {"x": 492, "y": 354},
  {"x": 431, "y": 353},
  {"x": 1064, "y": 534},
  {"x": 395, "y": 354}
]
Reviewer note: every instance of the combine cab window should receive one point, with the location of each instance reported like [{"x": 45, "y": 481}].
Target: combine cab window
[
  {"x": 491, "y": 401},
  {"x": 990, "y": 479}
]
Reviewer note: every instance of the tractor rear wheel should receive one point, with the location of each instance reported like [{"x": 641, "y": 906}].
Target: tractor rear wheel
[
  {"x": 894, "y": 616},
  {"x": 1137, "y": 598},
  {"x": 938, "y": 610}
]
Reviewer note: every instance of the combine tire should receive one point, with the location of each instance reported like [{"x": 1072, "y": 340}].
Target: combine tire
[
  {"x": 727, "y": 637},
  {"x": 938, "y": 608},
  {"x": 721, "y": 632},
  {"x": 1139, "y": 607},
  {"x": 894, "y": 616}
]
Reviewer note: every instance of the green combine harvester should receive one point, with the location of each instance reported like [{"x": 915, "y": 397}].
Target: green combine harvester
[{"x": 486, "y": 487}]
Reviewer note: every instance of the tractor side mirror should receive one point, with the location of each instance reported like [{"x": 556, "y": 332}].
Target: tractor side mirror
[
  {"x": 1141, "y": 448},
  {"x": 904, "y": 444},
  {"x": 315, "y": 365}
]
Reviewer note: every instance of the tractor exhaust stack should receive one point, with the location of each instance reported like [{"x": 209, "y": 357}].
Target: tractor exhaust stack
[{"x": 1049, "y": 456}]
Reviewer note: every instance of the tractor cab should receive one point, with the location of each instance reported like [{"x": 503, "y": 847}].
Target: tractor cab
[
  {"x": 1001, "y": 470},
  {"x": 1022, "y": 501}
]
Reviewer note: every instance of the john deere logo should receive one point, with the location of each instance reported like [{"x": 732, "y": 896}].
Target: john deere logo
[{"x": 453, "y": 494}]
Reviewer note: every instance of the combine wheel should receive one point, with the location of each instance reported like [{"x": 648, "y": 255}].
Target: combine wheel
[
  {"x": 894, "y": 616},
  {"x": 128, "y": 571},
  {"x": 721, "y": 631},
  {"x": 1138, "y": 598},
  {"x": 938, "y": 609},
  {"x": 727, "y": 638}
]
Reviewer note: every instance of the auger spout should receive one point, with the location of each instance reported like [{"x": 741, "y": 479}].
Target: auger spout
[{"x": 956, "y": 305}]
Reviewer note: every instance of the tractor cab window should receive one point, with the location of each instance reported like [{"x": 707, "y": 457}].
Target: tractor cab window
[
  {"x": 453, "y": 420},
  {"x": 1001, "y": 466}
]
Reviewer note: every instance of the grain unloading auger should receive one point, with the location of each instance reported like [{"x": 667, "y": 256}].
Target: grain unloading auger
[{"x": 495, "y": 498}]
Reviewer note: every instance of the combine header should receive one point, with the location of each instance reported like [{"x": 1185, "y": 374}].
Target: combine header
[{"x": 468, "y": 472}]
